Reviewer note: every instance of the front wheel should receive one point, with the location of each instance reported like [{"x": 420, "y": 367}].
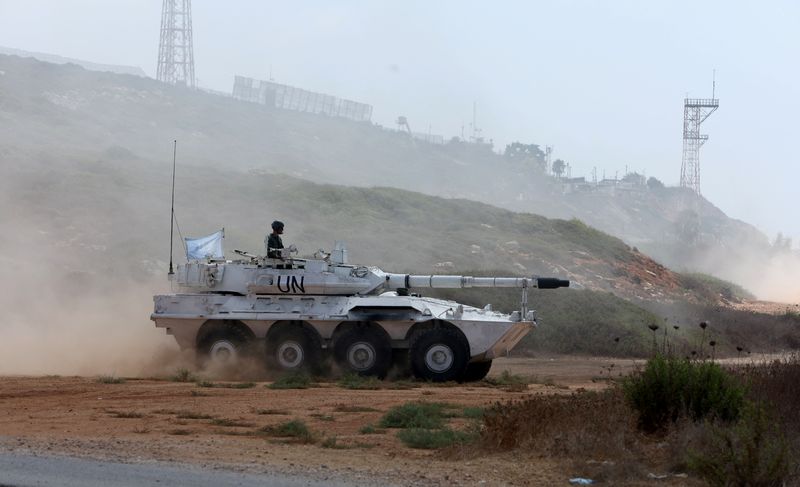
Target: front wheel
[
  {"x": 476, "y": 371},
  {"x": 439, "y": 355}
]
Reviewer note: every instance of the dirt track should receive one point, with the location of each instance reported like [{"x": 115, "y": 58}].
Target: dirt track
[{"x": 147, "y": 419}]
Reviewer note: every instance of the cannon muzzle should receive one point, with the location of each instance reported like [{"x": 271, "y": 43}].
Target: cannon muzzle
[{"x": 551, "y": 283}]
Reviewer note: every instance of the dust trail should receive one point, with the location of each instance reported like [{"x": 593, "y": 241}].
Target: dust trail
[
  {"x": 62, "y": 316},
  {"x": 105, "y": 335}
]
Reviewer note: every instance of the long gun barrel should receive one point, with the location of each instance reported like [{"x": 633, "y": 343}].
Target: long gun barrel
[{"x": 406, "y": 281}]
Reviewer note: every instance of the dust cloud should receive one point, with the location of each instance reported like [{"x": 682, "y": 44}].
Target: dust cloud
[
  {"x": 772, "y": 279},
  {"x": 61, "y": 321},
  {"x": 769, "y": 275}
]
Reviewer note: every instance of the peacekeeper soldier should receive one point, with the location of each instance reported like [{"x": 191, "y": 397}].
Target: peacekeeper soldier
[{"x": 274, "y": 242}]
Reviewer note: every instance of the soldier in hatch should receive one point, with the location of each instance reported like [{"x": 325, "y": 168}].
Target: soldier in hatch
[{"x": 274, "y": 242}]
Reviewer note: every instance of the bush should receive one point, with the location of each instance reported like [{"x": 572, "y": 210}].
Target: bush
[
  {"x": 370, "y": 430},
  {"x": 182, "y": 375},
  {"x": 295, "y": 429},
  {"x": 752, "y": 452},
  {"x": 430, "y": 439},
  {"x": 355, "y": 381},
  {"x": 669, "y": 388},
  {"x": 110, "y": 379},
  {"x": 292, "y": 381},
  {"x": 424, "y": 415}
]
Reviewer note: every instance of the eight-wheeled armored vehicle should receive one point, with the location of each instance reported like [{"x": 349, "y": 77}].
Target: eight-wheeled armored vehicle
[{"x": 298, "y": 311}]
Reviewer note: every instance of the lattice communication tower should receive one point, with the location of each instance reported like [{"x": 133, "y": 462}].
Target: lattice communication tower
[
  {"x": 695, "y": 112},
  {"x": 175, "y": 52}
]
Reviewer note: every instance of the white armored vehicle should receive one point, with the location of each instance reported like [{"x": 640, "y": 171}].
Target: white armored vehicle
[{"x": 299, "y": 311}]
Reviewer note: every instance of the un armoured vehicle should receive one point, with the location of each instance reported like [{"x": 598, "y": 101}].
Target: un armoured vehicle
[{"x": 298, "y": 311}]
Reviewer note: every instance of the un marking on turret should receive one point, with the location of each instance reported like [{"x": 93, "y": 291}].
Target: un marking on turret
[{"x": 292, "y": 284}]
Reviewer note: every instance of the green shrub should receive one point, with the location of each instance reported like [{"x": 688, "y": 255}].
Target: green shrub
[
  {"x": 355, "y": 381},
  {"x": 126, "y": 414},
  {"x": 370, "y": 430},
  {"x": 110, "y": 379},
  {"x": 295, "y": 429},
  {"x": 431, "y": 439},
  {"x": 182, "y": 375},
  {"x": 332, "y": 442},
  {"x": 752, "y": 452},
  {"x": 230, "y": 423},
  {"x": 473, "y": 412},
  {"x": 296, "y": 380},
  {"x": 425, "y": 415},
  {"x": 192, "y": 415},
  {"x": 342, "y": 408},
  {"x": 669, "y": 388},
  {"x": 239, "y": 385}
]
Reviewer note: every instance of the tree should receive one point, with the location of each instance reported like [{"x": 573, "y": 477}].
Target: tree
[
  {"x": 558, "y": 167},
  {"x": 527, "y": 154},
  {"x": 654, "y": 183},
  {"x": 634, "y": 178}
]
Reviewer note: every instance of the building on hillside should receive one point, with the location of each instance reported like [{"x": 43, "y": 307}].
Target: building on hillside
[
  {"x": 297, "y": 99},
  {"x": 429, "y": 138},
  {"x": 571, "y": 185}
]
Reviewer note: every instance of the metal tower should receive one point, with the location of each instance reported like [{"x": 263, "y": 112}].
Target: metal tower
[
  {"x": 695, "y": 111},
  {"x": 175, "y": 53}
]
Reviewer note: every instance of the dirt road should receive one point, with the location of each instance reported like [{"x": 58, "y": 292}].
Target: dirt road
[{"x": 144, "y": 420}]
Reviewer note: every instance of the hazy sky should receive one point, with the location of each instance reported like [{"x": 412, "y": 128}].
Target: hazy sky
[{"x": 601, "y": 81}]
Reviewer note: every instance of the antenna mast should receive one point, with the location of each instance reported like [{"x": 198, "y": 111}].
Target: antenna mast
[{"x": 172, "y": 210}]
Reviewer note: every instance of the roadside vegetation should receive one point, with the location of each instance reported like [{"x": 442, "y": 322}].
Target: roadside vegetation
[
  {"x": 677, "y": 416},
  {"x": 425, "y": 425}
]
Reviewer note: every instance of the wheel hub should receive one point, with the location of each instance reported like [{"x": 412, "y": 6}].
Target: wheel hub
[
  {"x": 439, "y": 358},
  {"x": 223, "y": 352},
  {"x": 290, "y": 354},
  {"x": 361, "y": 356}
]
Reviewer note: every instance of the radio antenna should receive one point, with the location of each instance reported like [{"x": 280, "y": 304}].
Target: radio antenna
[{"x": 172, "y": 209}]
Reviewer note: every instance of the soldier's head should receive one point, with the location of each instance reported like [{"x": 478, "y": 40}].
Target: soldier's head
[{"x": 277, "y": 227}]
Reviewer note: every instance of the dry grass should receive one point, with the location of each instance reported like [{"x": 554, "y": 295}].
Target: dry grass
[
  {"x": 596, "y": 435},
  {"x": 581, "y": 423}
]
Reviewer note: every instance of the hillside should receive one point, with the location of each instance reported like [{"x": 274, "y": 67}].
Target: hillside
[
  {"x": 84, "y": 199},
  {"x": 49, "y": 109}
]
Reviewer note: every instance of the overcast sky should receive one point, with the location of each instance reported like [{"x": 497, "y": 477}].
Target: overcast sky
[{"x": 601, "y": 81}]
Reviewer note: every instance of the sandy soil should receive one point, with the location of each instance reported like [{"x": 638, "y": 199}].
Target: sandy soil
[{"x": 144, "y": 420}]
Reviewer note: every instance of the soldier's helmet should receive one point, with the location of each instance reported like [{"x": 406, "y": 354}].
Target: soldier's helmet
[{"x": 277, "y": 225}]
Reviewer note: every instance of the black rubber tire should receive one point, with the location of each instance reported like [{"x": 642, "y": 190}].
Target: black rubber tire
[
  {"x": 380, "y": 346},
  {"x": 223, "y": 333},
  {"x": 476, "y": 371},
  {"x": 294, "y": 336},
  {"x": 447, "y": 340}
]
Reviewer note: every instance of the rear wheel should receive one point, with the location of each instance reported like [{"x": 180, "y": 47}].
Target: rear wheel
[
  {"x": 293, "y": 348},
  {"x": 476, "y": 371},
  {"x": 364, "y": 351},
  {"x": 439, "y": 354}
]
